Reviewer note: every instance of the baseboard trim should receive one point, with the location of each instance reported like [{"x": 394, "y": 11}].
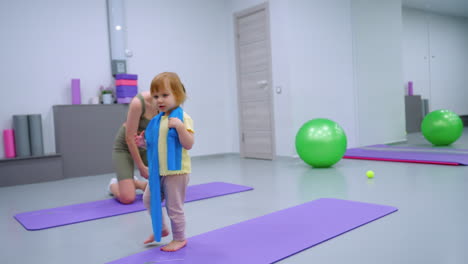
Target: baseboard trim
[{"x": 217, "y": 155}]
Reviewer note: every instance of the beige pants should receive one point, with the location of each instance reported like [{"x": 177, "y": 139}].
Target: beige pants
[{"x": 174, "y": 188}]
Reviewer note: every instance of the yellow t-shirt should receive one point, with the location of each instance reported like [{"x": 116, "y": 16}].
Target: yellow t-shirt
[{"x": 162, "y": 147}]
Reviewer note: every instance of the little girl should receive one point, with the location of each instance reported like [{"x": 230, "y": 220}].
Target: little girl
[{"x": 168, "y": 137}]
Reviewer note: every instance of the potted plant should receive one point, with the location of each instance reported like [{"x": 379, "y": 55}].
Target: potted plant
[{"x": 107, "y": 95}]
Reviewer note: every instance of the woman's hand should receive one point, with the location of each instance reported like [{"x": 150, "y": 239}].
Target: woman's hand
[
  {"x": 140, "y": 140},
  {"x": 144, "y": 172}
]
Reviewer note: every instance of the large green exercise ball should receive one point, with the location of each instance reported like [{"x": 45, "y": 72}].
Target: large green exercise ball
[
  {"x": 442, "y": 127},
  {"x": 321, "y": 142}
]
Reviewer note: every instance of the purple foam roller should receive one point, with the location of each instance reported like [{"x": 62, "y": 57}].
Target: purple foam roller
[
  {"x": 410, "y": 88},
  {"x": 76, "y": 93}
]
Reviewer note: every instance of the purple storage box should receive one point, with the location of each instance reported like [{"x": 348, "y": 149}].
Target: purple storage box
[
  {"x": 125, "y": 100},
  {"x": 121, "y": 88},
  {"x": 126, "y": 76},
  {"x": 123, "y": 94},
  {"x": 126, "y": 91}
]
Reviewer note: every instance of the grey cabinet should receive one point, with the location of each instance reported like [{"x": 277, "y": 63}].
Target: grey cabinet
[
  {"x": 84, "y": 136},
  {"x": 414, "y": 113},
  {"x": 32, "y": 169}
]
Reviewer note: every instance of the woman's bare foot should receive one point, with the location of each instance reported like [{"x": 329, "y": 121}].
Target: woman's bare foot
[
  {"x": 150, "y": 239},
  {"x": 174, "y": 246},
  {"x": 140, "y": 184}
]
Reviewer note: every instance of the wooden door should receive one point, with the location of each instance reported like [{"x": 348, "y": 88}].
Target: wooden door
[{"x": 255, "y": 96}]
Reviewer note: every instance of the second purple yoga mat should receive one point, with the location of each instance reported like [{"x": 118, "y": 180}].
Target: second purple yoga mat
[
  {"x": 271, "y": 237},
  {"x": 71, "y": 214},
  {"x": 443, "y": 156}
]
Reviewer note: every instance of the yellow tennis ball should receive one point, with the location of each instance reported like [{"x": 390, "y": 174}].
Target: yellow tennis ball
[{"x": 370, "y": 174}]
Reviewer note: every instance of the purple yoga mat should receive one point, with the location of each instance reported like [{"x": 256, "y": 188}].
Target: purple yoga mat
[
  {"x": 271, "y": 237},
  {"x": 442, "y": 156},
  {"x": 71, "y": 214}
]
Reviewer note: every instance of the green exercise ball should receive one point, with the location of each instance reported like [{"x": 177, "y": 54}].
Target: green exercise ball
[
  {"x": 321, "y": 143},
  {"x": 442, "y": 127}
]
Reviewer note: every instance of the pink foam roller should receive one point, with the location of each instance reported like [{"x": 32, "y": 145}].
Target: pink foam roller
[
  {"x": 9, "y": 143},
  {"x": 126, "y": 82}
]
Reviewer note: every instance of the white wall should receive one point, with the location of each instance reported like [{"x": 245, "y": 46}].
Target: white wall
[
  {"x": 378, "y": 76},
  {"x": 435, "y": 57},
  {"x": 279, "y": 33},
  {"x": 416, "y": 51},
  {"x": 50, "y": 42},
  {"x": 311, "y": 64},
  {"x": 323, "y": 53},
  {"x": 281, "y": 77},
  {"x": 44, "y": 45},
  {"x": 190, "y": 38},
  {"x": 320, "y": 44},
  {"x": 449, "y": 63}
]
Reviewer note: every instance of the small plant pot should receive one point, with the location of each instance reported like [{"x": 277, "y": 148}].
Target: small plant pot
[{"x": 107, "y": 99}]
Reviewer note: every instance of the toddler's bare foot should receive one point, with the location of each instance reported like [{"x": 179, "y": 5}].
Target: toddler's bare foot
[
  {"x": 150, "y": 239},
  {"x": 174, "y": 246}
]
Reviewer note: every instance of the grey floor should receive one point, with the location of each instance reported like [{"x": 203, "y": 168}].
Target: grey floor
[{"x": 431, "y": 225}]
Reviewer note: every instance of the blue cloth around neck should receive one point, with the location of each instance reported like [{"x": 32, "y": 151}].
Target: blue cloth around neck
[{"x": 174, "y": 162}]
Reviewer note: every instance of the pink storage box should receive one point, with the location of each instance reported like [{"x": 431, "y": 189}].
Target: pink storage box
[{"x": 126, "y": 82}]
